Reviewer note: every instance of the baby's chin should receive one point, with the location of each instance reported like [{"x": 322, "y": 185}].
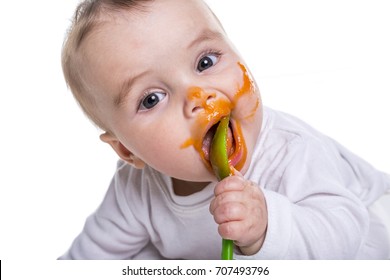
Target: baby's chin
[
  {"x": 192, "y": 171},
  {"x": 208, "y": 177}
]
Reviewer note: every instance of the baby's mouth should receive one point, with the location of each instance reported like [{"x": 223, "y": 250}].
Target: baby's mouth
[{"x": 208, "y": 138}]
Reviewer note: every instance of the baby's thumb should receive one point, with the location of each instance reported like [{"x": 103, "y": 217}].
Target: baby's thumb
[{"x": 235, "y": 172}]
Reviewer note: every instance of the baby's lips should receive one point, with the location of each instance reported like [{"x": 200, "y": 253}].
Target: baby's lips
[{"x": 235, "y": 158}]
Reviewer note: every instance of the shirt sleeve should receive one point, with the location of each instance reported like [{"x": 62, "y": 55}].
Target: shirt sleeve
[
  {"x": 113, "y": 231},
  {"x": 312, "y": 214}
]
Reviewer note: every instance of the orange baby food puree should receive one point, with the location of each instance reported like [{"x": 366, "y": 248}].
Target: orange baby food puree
[{"x": 212, "y": 111}]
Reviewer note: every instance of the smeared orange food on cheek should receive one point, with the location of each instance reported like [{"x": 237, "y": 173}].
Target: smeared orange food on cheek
[
  {"x": 212, "y": 111},
  {"x": 247, "y": 88}
]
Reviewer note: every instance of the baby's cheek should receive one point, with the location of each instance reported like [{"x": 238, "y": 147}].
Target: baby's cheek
[{"x": 247, "y": 106}]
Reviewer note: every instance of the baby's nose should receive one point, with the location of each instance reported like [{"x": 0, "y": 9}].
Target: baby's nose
[{"x": 198, "y": 100}]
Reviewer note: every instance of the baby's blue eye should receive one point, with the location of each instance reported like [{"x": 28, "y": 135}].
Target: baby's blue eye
[
  {"x": 151, "y": 100},
  {"x": 206, "y": 62}
]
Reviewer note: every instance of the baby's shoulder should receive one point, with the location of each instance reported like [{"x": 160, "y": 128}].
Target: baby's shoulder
[
  {"x": 138, "y": 182},
  {"x": 287, "y": 137},
  {"x": 285, "y": 130}
]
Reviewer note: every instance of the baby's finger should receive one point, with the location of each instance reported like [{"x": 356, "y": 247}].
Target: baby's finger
[
  {"x": 229, "y": 212},
  {"x": 237, "y": 173},
  {"x": 234, "y": 230},
  {"x": 231, "y": 183},
  {"x": 225, "y": 198}
]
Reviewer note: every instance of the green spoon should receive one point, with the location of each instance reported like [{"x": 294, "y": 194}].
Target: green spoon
[{"x": 220, "y": 163}]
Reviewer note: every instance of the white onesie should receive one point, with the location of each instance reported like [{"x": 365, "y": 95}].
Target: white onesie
[{"x": 320, "y": 199}]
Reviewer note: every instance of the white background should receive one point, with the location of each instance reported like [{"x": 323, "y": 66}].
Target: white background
[{"x": 327, "y": 62}]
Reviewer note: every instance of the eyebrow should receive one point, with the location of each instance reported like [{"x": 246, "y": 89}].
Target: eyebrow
[
  {"x": 121, "y": 97},
  {"x": 205, "y": 35}
]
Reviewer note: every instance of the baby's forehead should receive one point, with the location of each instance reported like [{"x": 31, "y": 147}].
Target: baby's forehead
[
  {"x": 160, "y": 26},
  {"x": 173, "y": 15},
  {"x": 153, "y": 11}
]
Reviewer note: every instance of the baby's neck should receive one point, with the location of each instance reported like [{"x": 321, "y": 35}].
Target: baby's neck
[{"x": 184, "y": 188}]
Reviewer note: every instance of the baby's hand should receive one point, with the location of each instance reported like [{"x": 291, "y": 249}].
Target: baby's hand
[{"x": 240, "y": 210}]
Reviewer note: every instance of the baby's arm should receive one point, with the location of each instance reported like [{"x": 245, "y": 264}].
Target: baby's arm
[
  {"x": 240, "y": 211},
  {"x": 113, "y": 231}
]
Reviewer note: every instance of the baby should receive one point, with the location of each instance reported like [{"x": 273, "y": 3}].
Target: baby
[{"x": 157, "y": 76}]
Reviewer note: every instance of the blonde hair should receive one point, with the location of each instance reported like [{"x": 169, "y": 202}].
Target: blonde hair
[{"x": 86, "y": 18}]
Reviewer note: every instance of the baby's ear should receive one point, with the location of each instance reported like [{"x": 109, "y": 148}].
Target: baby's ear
[{"x": 122, "y": 151}]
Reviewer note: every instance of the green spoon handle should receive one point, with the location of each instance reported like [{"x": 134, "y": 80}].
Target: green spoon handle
[
  {"x": 220, "y": 163},
  {"x": 227, "y": 249}
]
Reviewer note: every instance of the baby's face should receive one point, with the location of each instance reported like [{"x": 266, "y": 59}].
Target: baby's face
[{"x": 163, "y": 78}]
